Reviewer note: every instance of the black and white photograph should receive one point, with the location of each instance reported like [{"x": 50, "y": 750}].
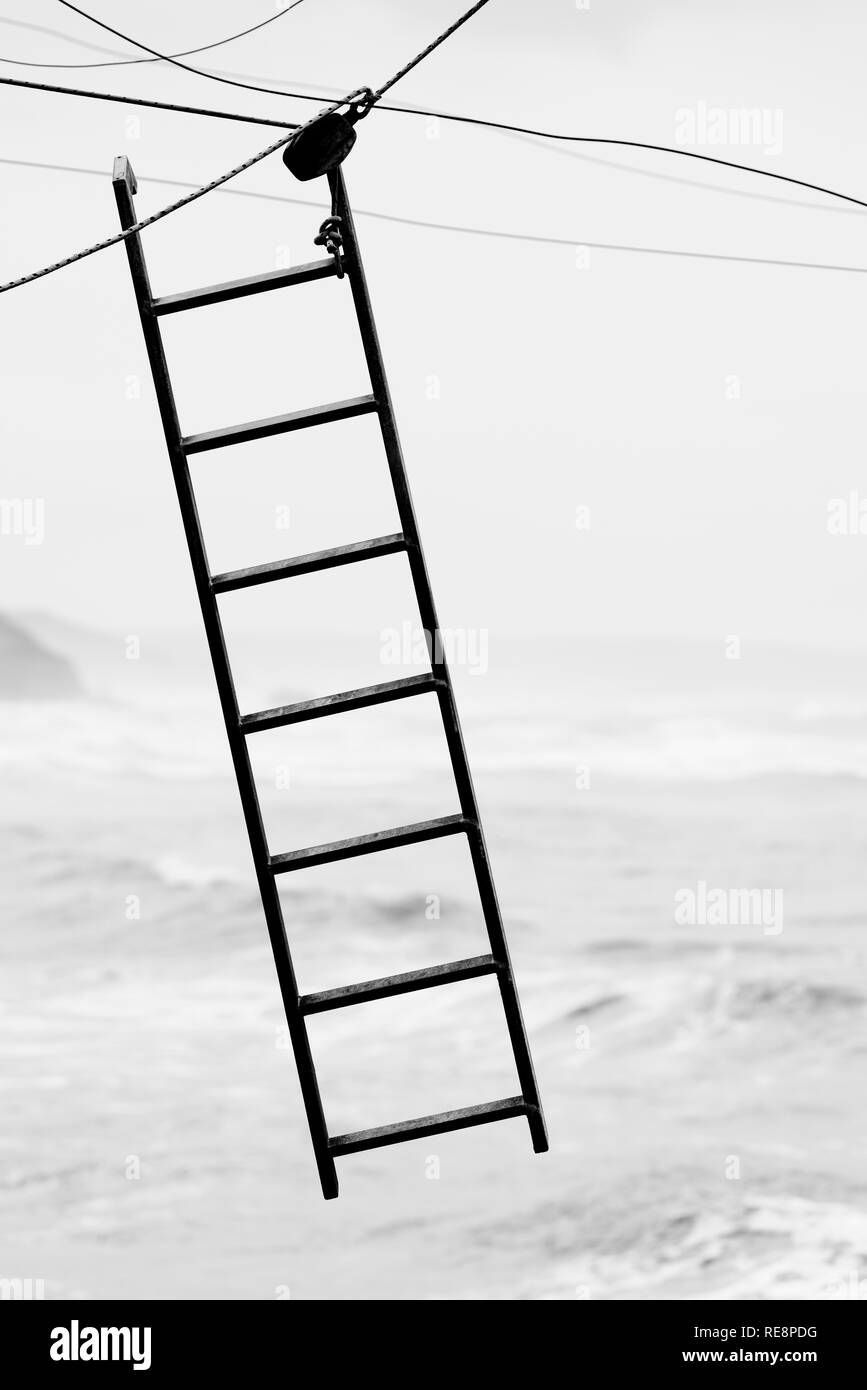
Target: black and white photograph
[{"x": 433, "y": 666}]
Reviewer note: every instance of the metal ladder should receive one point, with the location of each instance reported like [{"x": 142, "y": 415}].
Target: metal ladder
[{"x": 299, "y": 1007}]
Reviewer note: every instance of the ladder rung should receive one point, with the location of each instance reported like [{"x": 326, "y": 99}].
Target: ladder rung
[
  {"x": 369, "y": 844},
  {"x": 398, "y": 984},
  {"x": 307, "y": 564},
  {"x": 239, "y": 289},
  {"x": 429, "y": 1124},
  {"x": 339, "y": 704},
  {"x": 279, "y": 424}
]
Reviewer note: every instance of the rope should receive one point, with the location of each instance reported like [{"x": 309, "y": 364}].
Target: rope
[
  {"x": 164, "y": 212},
  {"x": 427, "y": 51},
  {"x": 360, "y": 109}
]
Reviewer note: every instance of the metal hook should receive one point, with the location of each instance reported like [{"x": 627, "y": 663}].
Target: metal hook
[
  {"x": 331, "y": 237},
  {"x": 358, "y": 109}
]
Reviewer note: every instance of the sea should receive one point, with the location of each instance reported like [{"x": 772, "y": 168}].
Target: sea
[{"x": 679, "y": 839}]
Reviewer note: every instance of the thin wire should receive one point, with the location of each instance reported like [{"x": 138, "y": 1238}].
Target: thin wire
[
  {"x": 500, "y": 125},
  {"x": 167, "y": 58},
  {"x": 470, "y": 120},
  {"x": 143, "y": 101},
  {"x": 186, "y": 52},
  {"x": 448, "y": 116},
  {"x": 605, "y": 164},
  {"x": 634, "y": 168},
  {"x": 763, "y": 195},
  {"x": 427, "y": 51},
  {"x": 274, "y": 91},
  {"x": 63, "y": 34},
  {"x": 163, "y": 212},
  {"x": 589, "y": 140},
  {"x": 208, "y": 187},
  {"x": 600, "y": 140},
  {"x": 575, "y": 243},
  {"x": 634, "y": 145}
]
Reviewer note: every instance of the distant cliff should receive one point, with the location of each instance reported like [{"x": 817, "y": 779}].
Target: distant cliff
[{"x": 29, "y": 670}]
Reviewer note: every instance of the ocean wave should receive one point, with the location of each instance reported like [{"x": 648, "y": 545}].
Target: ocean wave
[
  {"x": 799, "y": 999},
  {"x": 670, "y": 1009},
  {"x": 185, "y": 741},
  {"x": 404, "y": 908},
  {"x": 594, "y": 1006},
  {"x": 769, "y": 1246},
  {"x": 635, "y": 710}
]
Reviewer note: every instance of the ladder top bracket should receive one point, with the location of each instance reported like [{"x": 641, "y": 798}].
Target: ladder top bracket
[{"x": 122, "y": 172}]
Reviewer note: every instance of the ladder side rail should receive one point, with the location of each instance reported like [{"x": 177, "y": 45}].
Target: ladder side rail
[
  {"x": 445, "y": 691},
  {"x": 123, "y": 181}
]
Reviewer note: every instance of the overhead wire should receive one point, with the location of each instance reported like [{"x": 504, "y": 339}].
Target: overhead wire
[
  {"x": 539, "y": 137},
  {"x": 125, "y": 63},
  {"x": 479, "y": 121},
  {"x": 575, "y": 243},
  {"x": 373, "y": 98},
  {"x": 508, "y": 127},
  {"x": 145, "y": 101},
  {"x": 139, "y": 226},
  {"x": 185, "y": 53},
  {"x": 449, "y": 116},
  {"x": 167, "y": 58},
  {"x": 156, "y": 55}
]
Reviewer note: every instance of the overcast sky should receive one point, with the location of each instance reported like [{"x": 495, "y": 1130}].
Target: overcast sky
[{"x": 704, "y": 412}]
